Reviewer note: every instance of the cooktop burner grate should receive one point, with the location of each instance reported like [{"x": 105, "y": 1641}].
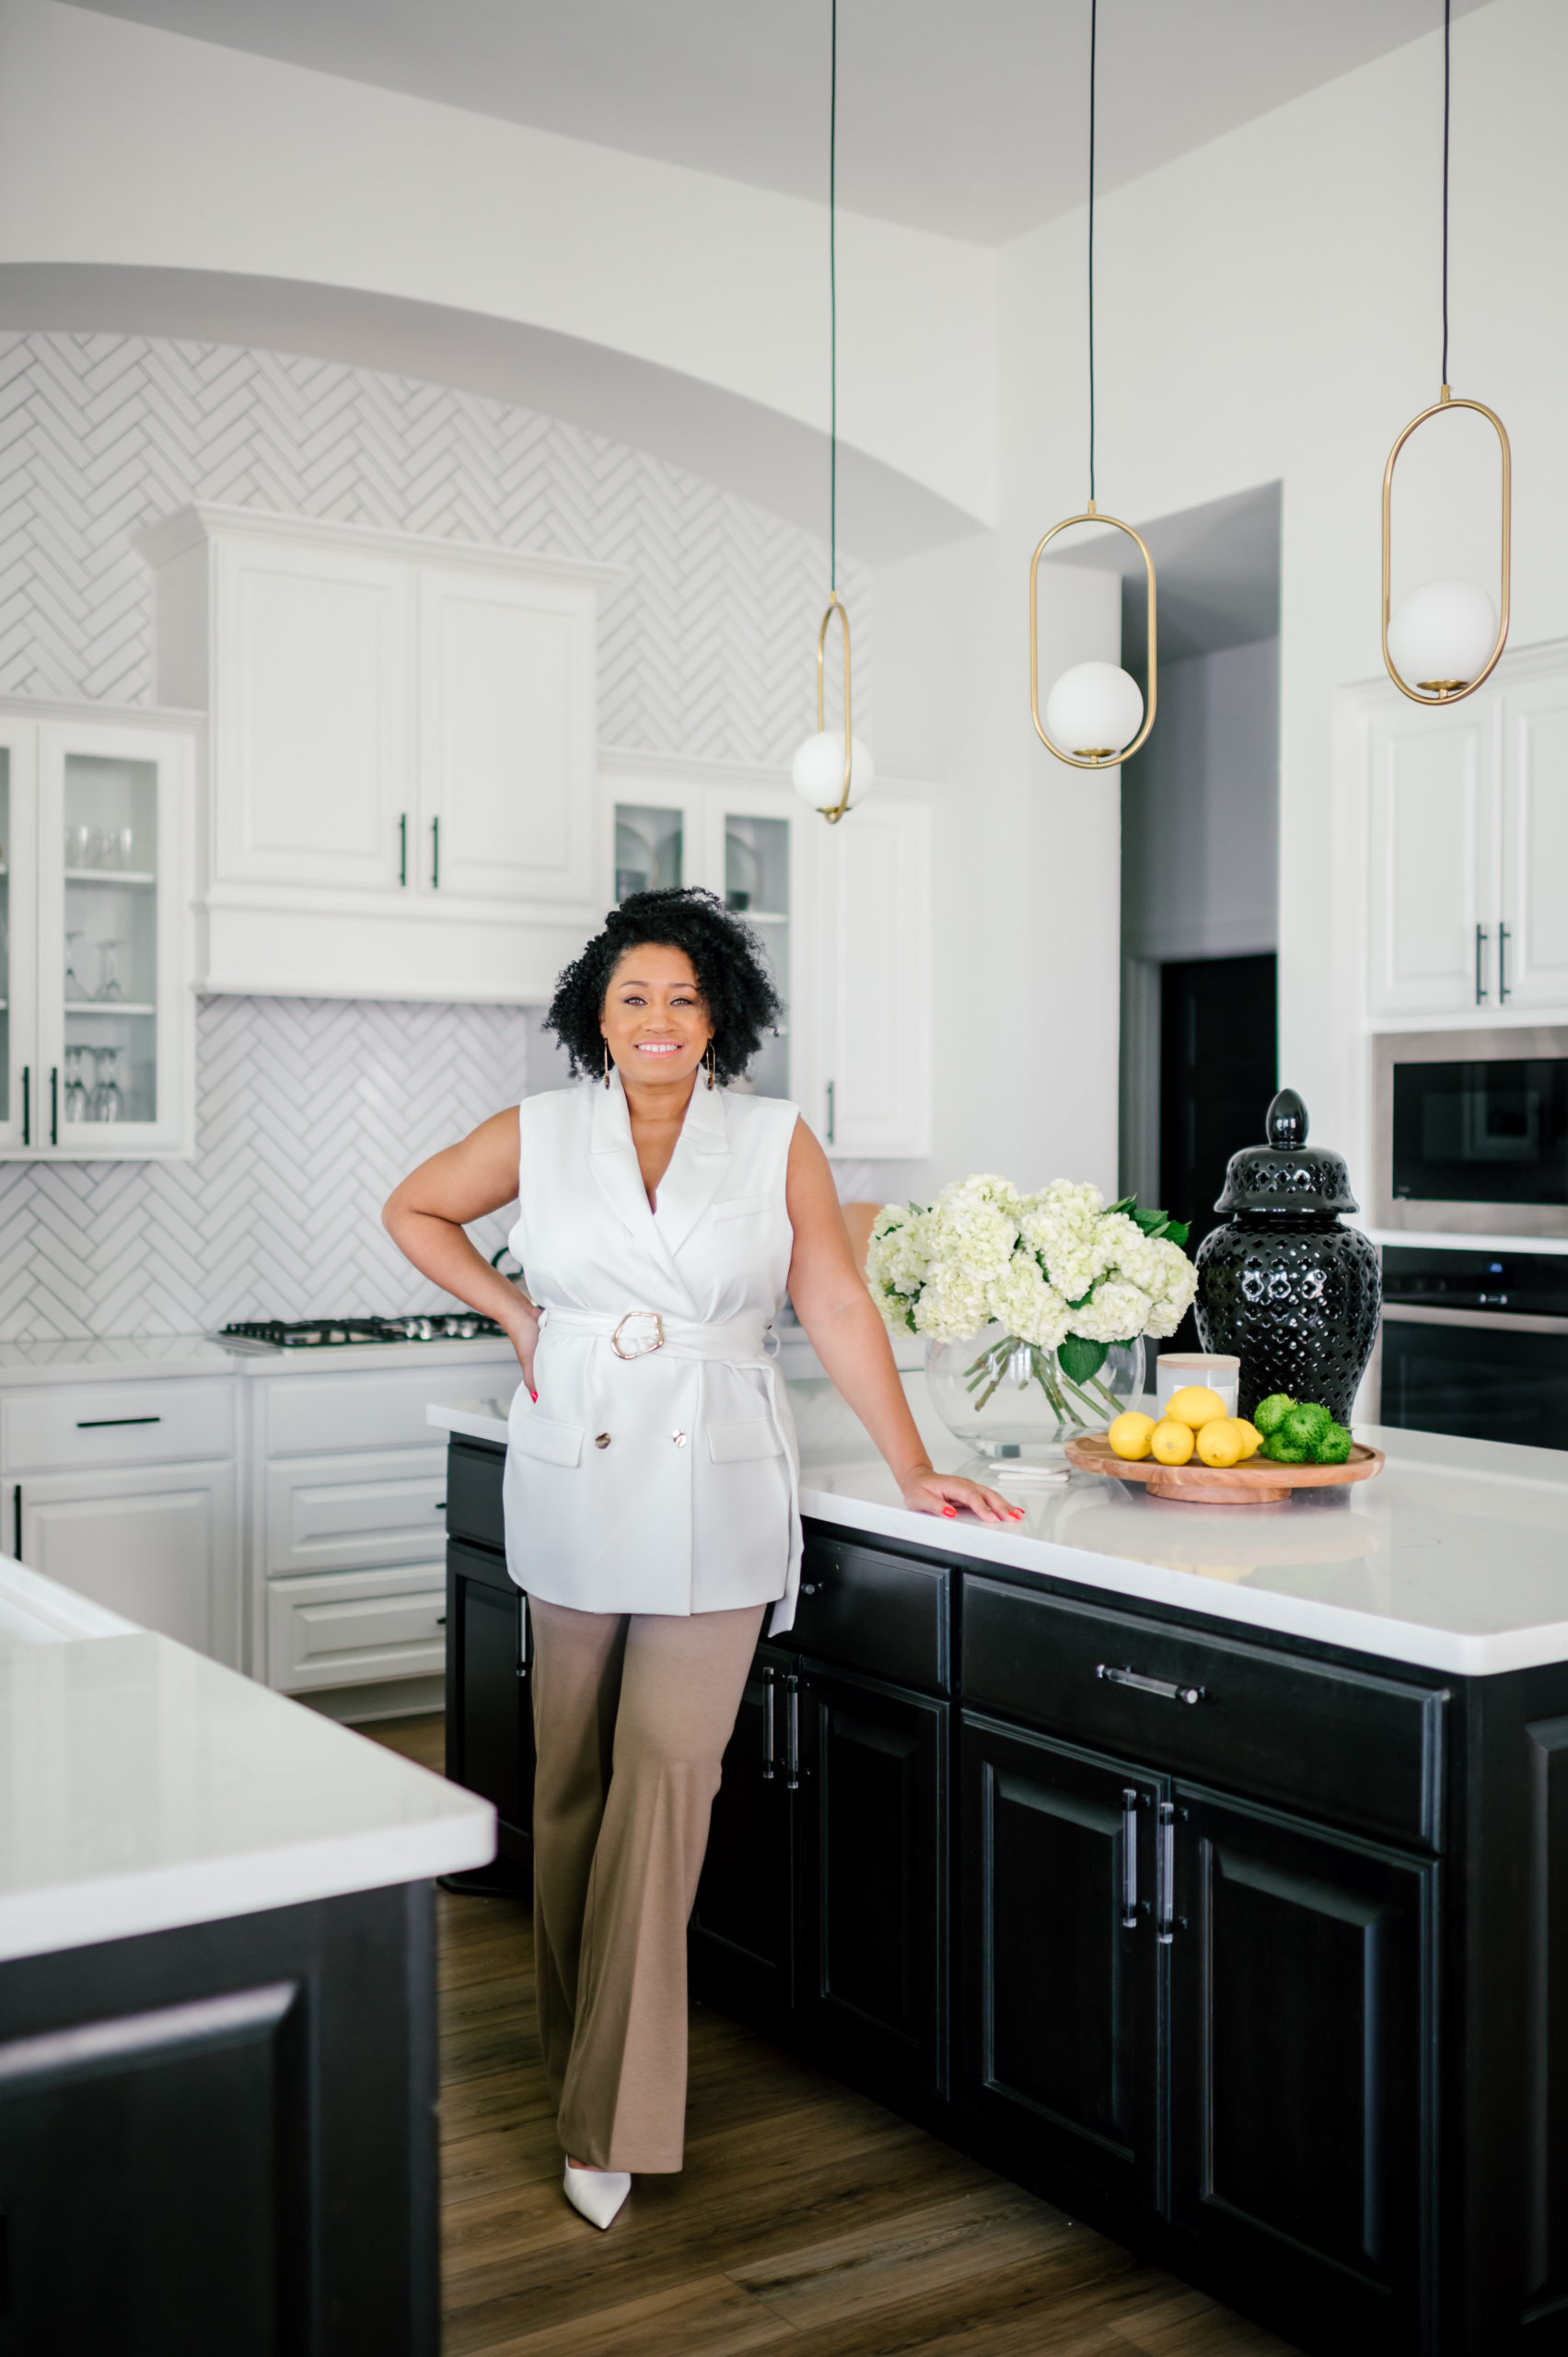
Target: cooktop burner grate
[{"x": 322, "y": 1333}]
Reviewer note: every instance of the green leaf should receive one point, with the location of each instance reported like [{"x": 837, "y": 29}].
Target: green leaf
[{"x": 1079, "y": 1360}]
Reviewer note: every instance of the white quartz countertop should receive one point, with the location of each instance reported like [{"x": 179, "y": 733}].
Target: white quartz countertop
[
  {"x": 144, "y": 1787},
  {"x": 1455, "y": 1557},
  {"x": 127, "y": 1358}
]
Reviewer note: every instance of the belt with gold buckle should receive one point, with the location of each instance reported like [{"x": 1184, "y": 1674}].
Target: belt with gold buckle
[{"x": 639, "y": 1350}]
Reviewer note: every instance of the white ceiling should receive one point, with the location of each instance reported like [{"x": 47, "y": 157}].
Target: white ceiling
[{"x": 962, "y": 116}]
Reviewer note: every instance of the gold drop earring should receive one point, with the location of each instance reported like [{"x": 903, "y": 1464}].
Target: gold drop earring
[
  {"x": 607, "y": 1063},
  {"x": 712, "y": 1063}
]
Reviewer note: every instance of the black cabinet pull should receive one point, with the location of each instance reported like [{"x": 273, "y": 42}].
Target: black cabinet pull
[
  {"x": 1129, "y": 1858},
  {"x": 54, "y": 1104},
  {"x": 436, "y": 854},
  {"x": 1503, "y": 937},
  {"x": 1165, "y": 1880},
  {"x": 402, "y": 848},
  {"x": 27, "y": 1104},
  {"x": 17, "y": 1521},
  {"x": 441, "y": 1622},
  {"x": 440, "y": 1507},
  {"x": 1480, "y": 946},
  {"x": 101, "y": 1423},
  {"x": 767, "y": 1726},
  {"x": 792, "y": 1736},
  {"x": 1160, "y": 1686}
]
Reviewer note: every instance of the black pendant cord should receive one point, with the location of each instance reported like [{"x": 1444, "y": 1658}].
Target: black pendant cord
[
  {"x": 834, "y": 314},
  {"x": 1093, "y": 13},
  {"x": 1447, "y": 16}
]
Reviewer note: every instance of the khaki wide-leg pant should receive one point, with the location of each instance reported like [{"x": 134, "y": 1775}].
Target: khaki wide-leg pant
[{"x": 632, "y": 1715}]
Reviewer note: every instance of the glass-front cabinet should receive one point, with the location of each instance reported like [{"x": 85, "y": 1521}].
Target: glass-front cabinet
[
  {"x": 740, "y": 840},
  {"x": 95, "y": 912}
]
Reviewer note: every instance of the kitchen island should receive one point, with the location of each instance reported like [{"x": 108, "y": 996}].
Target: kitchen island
[
  {"x": 1206, "y": 1868},
  {"x": 218, "y": 2066}
]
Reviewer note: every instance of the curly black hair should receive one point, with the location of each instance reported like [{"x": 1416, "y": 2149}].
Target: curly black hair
[{"x": 731, "y": 971}]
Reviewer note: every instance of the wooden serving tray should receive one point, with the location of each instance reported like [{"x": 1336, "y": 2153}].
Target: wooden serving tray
[{"x": 1259, "y": 1481}]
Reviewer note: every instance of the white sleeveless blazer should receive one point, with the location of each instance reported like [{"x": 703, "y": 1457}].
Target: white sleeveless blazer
[{"x": 664, "y": 1481}]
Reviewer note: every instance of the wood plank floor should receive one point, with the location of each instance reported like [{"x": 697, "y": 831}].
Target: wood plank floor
[{"x": 807, "y": 2219}]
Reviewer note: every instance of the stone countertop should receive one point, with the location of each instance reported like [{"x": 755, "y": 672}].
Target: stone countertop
[
  {"x": 1455, "y": 1557},
  {"x": 145, "y": 1358},
  {"x": 144, "y": 1787}
]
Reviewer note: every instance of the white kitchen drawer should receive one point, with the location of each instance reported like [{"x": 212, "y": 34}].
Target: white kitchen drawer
[
  {"x": 380, "y": 1506},
  {"x": 347, "y": 1628},
  {"x": 158, "y": 1544},
  {"x": 117, "y": 1424},
  {"x": 310, "y": 1415}
]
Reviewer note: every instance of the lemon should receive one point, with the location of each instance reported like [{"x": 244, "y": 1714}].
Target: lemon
[
  {"x": 1196, "y": 1405},
  {"x": 1129, "y": 1435},
  {"x": 1222, "y": 1441},
  {"x": 1252, "y": 1437},
  {"x": 1171, "y": 1442}
]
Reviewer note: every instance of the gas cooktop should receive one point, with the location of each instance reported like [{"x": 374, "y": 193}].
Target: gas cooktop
[{"x": 324, "y": 1334}]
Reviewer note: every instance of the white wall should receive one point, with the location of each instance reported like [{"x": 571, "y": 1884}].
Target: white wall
[
  {"x": 123, "y": 148},
  {"x": 1200, "y": 810}
]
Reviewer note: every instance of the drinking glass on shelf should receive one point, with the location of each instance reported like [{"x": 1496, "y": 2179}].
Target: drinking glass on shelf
[
  {"x": 74, "y": 987},
  {"x": 109, "y": 986},
  {"x": 79, "y": 1077},
  {"x": 124, "y": 846},
  {"x": 108, "y": 1105},
  {"x": 78, "y": 846},
  {"x": 103, "y": 847}
]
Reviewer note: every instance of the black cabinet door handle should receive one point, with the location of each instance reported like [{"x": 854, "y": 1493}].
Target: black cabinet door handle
[
  {"x": 441, "y": 1621},
  {"x": 1164, "y": 1881},
  {"x": 27, "y": 1104},
  {"x": 54, "y": 1104},
  {"x": 767, "y": 1726},
  {"x": 17, "y": 1521},
  {"x": 1480, "y": 948},
  {"x": 1129, "y": 1858},
  {"x": 1160, "y": 1686},
  {"x": 1503, "y": 937},
  {"x": 101, "y": 1423},
  {"x": 792, "y": 1735},
  {"x": 436, "y": 854},
  {"x": 402, "y": 848}
]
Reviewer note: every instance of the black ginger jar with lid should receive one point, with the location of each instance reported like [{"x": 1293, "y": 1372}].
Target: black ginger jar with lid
[{"x": 1283, "y": 1286}]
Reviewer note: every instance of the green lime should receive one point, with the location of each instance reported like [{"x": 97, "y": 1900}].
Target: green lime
[{"x": 1271, "y": 1413}]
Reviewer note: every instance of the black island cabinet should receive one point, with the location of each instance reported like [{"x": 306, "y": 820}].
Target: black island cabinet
[{"x": 1252, "y": 1951}]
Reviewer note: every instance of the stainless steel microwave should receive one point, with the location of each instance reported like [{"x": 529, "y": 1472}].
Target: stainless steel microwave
[{"x": 1470, "y": 1131}]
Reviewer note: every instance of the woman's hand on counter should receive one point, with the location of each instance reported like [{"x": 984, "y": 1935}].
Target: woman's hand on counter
[{"x": 928, "y": 1492}]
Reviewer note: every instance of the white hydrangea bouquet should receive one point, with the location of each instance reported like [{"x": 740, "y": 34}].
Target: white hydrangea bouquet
[{"x": 1065, "y": 1276}]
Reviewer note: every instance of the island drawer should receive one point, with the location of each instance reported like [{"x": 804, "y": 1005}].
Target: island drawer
[
  {"x": 473, "y": 1494},
  {"x": 873, "y": 1611},
  {"x": 117, "y": 1424},
  {"x": 1363, "y": 1749}
]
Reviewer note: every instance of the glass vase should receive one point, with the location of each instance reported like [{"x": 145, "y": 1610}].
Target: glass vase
[{"x": 1005, "y": 1398}]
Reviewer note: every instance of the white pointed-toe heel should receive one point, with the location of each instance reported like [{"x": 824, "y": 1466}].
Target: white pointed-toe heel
[{"x": 597, "y": 2194}]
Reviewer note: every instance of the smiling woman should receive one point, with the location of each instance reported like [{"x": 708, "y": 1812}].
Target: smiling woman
[{"x": 651, "y": 1484}]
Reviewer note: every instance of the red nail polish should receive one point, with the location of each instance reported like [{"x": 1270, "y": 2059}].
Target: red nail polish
[
  {"x": 533, "y": 1395},
  {"x": 1017, "y": 1514},
  {"x": 952, "y": 1512}
]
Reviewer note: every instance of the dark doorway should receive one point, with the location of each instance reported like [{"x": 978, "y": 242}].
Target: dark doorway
[{"x": 1218, "y": 1070}]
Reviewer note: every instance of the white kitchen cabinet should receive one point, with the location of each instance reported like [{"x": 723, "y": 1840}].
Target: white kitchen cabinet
[
  {"x": 356, "y": 1628},
  {"x": 869, "y": 1020},
  {"x": 156, "y": 1542},
  {"x": 1532, "y": 900},
  {"x": 1467, "y": 847},
  {"x": 351, "y": 1513},
  {"x": 402, "y": 754},
  {"x": 97, "y": 1012}
]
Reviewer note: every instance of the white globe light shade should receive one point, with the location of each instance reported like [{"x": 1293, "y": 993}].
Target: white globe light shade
[
  {"x": 1441, "y": 633},
  {"x": 1093, "y": 708},
  {"x": 817, "y": 772}
]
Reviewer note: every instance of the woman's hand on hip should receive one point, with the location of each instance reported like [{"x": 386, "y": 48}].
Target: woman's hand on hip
[
  {"x": 524, "y": 1338},
  {"x": 945, "y": 1493}
]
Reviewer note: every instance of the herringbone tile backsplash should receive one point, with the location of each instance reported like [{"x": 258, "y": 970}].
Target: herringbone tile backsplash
[{"x": 308, "y": 1110}]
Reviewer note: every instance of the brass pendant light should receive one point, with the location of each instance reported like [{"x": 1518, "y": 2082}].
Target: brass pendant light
[
  {"x": 1095, "y": 707},
  {"x": 826, "y": 771},
  {"x": 1446, "y": 635}
]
